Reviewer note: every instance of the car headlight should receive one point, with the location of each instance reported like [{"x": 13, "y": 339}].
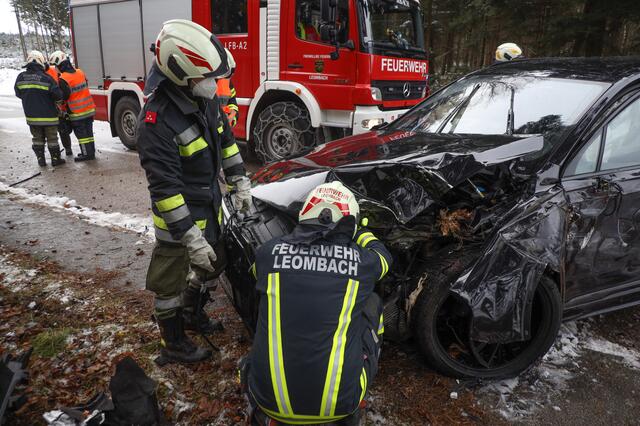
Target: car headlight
[
  {"x": 376, "y": 94},
  {"x": 372, "y": 122}
]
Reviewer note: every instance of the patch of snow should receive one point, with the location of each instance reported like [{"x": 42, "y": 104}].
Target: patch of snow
[
  {"x": 521, "y": 396},
  {"x": 15, "y": 278},
  {"x": 629, "y": 357},
  {"x": 139, "y": 224},
  {"x": 7, "y": 78}
]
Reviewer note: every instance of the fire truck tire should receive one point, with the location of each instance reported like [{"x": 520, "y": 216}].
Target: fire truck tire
[
  {"x": 283, "y": 130},
  {"x": 125, "y": 118}
]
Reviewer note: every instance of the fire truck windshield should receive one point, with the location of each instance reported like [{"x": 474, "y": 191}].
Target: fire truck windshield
[{"x": 392, "y": 27}]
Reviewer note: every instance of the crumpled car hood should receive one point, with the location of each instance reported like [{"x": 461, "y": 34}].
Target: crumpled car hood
[{"x": 403, "y": 172}]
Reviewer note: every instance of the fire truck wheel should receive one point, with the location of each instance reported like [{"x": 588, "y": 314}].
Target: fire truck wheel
[
  {"x": 125, "y": 120},
  {"x": 283, "y": 130}
]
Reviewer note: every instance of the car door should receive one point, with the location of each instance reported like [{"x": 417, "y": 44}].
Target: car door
[{"x": 602, "y": 184}]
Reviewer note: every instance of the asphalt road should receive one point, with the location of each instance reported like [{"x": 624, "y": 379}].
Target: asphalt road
[{"x": 591, "y": 376}]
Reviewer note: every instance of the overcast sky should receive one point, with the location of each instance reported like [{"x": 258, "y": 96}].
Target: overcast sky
[{"x": 7, "y": 18}]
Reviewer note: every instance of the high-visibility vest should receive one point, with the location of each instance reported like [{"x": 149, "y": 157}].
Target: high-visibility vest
[
  {"x": 53, "y": 73},
  {"x": 80, "y": 102},
  {"x": 225, "y": 92}
]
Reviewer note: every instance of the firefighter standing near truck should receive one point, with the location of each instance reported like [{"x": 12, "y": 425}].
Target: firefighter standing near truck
[
  {"x": 184, "y": 140},
  {"x": 64, "y": 126},
  {"x": 80, "y": 105},
  {"x": 226, "y": 93},
  {"x": 39, "y": 94},
  {"x": 320, "y": 324}
]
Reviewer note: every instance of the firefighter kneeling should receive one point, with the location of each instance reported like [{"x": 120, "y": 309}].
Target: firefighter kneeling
[{"x": 320, "y": 324}]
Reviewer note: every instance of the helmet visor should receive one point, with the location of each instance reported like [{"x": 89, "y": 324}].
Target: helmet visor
[{"x": 223, "y": 69}]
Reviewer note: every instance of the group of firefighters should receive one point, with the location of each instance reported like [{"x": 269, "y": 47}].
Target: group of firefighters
[
  {"x": 56, "y": 99},
  {"x": 319, "y": 331}
]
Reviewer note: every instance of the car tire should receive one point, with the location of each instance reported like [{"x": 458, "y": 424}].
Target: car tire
[
  {"x": 427, "y": 322},
  {"x": 125, "y": 117},
  {"x": 283, "y": 130}
]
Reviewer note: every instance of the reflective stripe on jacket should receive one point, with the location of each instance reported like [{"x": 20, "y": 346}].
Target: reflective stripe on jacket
[
  {"x": 182, "y": 147},
  {"x": 307, "y": 360},
  {"x": 39, "y": 94},
  {"x": 80, "y": 102}
]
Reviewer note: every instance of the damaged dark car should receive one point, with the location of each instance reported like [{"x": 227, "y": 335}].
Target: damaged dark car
[{"x": 510, "y": 200}]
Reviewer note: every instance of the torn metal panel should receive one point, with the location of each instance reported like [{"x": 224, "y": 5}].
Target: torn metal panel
[{"x": 500, "y": 284}]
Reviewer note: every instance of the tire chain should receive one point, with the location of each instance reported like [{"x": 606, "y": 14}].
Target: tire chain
[{"x": 276, "y": 118}]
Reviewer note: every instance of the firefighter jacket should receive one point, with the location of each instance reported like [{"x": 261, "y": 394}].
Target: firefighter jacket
[
  {"x": 80, "y": 103},
  {"x": 307, "y": 361},
  {"x": 39, "y": 93},
  {"x": 227, "y": 95},
  {"x": 182, "y": 145}
]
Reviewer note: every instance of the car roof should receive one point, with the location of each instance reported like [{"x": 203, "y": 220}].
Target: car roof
[{"x": 609, "y": 69}]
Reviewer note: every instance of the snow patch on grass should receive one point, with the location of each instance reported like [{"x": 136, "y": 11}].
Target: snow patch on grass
[
  {"x": 13, "y": 277},
  {"x": 139, "y": 224}
]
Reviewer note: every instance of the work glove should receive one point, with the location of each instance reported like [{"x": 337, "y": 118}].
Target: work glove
[
  {"x": 201, "y": 254},
  {"x": 242, "y": 197}
]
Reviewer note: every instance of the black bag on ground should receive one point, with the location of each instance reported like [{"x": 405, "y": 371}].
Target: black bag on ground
[{"x": 134, "y": 397}]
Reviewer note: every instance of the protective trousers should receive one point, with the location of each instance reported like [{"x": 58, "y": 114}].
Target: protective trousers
[
  {"x": 40, "y": 136},
  {"x": 65, "y": 130},
  {"x": 168, "y": 276},
  {"x": 83, "y": 130}
]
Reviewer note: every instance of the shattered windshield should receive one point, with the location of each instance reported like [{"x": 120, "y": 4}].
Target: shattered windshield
[
  {"x": 391, "y": 27},
  {"x": 486, "y": 105}
]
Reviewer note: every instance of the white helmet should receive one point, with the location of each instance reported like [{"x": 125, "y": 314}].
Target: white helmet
[
  {"x": 57, "y": 57},
  {"x": 37, "y": 57},
  {"x": 186, "y": 50},
  {"x": 508, "y": 52},
  {"x": 231, "y": 63},
  {"x": 328, "y": 203}
]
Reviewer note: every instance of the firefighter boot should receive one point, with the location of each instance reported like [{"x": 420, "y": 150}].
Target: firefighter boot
[
  {"x": 87, "y": 152},
  {"x": 56, "y": 160},
  {"x": 39, "y": 150},
  {"x": 195, "y": 317},
  {"x": 176, "y": 345},
  {"x": 66, "y": 143}
]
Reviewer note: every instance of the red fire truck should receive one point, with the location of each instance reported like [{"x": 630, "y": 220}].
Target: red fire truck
[{"x": 308, "y": 70}]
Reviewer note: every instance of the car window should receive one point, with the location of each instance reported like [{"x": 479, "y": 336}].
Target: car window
[
  {"x": 622, "y": 140},
  {"x": 535, "y": 104},
  {"x": 586, "y": 161}
]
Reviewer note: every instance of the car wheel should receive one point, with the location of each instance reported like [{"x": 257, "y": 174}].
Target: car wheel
[
  {"x": 125, "y": 118},
  {"x": 442, "y": 323},
  {"x": 283, "y": 130}
]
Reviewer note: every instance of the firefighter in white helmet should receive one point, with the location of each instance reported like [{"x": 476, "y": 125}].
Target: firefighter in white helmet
[
  {"x": 320, "y": 324},
  {"x": 64, "y": 126},
  {"x": 227, "y": 93},
  {"x": 39, "y": 94},
  {"x": 508, "y": 52},
  {"x": 183, "y": 140}
]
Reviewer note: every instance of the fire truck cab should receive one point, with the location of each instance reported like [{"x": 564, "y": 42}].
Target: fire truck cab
[{"x": 308, "y": 71}]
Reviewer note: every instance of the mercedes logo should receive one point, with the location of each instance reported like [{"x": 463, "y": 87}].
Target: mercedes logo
[{"x": 406, "y": 90}]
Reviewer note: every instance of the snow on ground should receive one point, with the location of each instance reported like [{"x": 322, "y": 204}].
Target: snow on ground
[
  {"x": 7, "y": 79},
  {"x": 139, "y": 224},
  {"x": 521, "y": 396}
]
